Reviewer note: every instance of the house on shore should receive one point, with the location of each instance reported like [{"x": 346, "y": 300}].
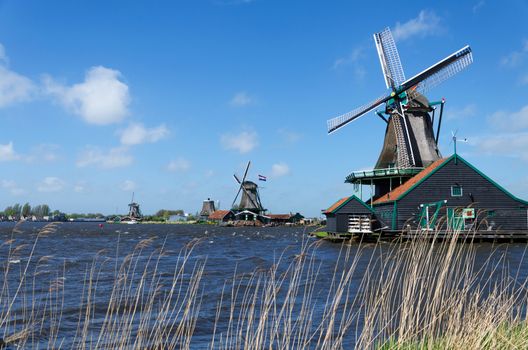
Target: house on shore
[
  {"x": 283, "y": 219},
  {"x": 450, "y": 193},
  {"x": 222, "y": 216}
]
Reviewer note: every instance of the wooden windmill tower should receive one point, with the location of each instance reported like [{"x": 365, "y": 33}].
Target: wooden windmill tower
[
  {"x": 250, "y": 199},
  {"x": 410, "y": 142}
]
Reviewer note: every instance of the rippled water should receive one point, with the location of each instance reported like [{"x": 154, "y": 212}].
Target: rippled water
[{"x": 65, "y": 257}]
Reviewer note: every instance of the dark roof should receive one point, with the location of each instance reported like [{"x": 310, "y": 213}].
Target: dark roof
[
  {"x": 219, "y": 214},
  {"x": 280, "y": 216},
  {"x": 399, "y": 191},
  {"x": 334, "y": 207}
]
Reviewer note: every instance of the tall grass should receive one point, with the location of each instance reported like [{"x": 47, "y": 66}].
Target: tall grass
[{"x": 415, "y": 294}]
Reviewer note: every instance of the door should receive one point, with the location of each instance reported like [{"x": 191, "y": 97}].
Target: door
[
  {"x": 429, "y": 214},
  {"x": 359, "y": 223}
]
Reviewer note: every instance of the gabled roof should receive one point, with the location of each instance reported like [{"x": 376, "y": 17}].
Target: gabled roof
[
  {"x": 337, "y": 205},
  {"x": 399, "y": 191},
  {"x": 219, "y": 214},
  {"x": 280, "y": 216}
]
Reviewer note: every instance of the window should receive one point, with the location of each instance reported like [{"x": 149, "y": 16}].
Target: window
[
  {"x": 491, "y": 213},
  {"x": 456, "y": 191}
]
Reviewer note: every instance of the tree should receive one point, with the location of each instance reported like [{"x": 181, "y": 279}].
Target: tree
[
  {"x": 17, "y": 209},
  {"x": 46, "y": 210},
  {"x": 26, "y": 210}
]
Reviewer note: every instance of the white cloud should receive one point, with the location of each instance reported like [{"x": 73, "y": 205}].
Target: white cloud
[
  {"x": 241, "y": 99},
  {"x": 101, "y": 99},
  {"x": 12, "y": 187},
  {"x": 128, "y": 185},
  {"x": 243, "y": 143},
  {"x": 7, "y": 152},
  {"x": 179, "y": 165},
  {"x": 509, "y": 144},
  {"x": 510, "y": 121},
  {"x": 280, "y": 169},
  {"x": 80, "y": 187},
  {"x": 136, "y": 134},
  {"x": 515, "y": 58},
  {"x": 50, "y": 184},
  {"x": 461, "y": 113},
  {"x": 114, "y": 158},
  {"x": 427, "y": 23},
  {"x": 14, "y": 87}
]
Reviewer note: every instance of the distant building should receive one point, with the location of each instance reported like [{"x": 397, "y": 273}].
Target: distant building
[
  {"x": 285, "y": 218},
  {"x": 222, "y": 216}
]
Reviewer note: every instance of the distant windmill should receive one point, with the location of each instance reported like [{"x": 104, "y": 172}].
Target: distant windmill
[
  {"x": 250, "y": 199},
  {"x": 134, "y": 213},
  {"x": 409, "y": 137}
]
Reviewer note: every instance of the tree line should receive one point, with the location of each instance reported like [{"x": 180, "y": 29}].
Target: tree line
[{"x": 26, "y": 210}]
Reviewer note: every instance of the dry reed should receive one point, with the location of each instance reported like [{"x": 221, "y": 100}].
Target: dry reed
[{"x": 415, "y": 294}]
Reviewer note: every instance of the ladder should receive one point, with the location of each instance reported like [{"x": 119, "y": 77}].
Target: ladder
[{"x": 403, "y": 152}]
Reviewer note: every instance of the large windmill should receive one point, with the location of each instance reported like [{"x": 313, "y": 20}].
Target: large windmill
[
  {"x": 410, "y": 143},
  {"x": 250, "y": 199}
]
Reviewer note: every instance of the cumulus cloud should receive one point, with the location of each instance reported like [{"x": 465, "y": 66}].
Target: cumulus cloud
[
  {"x": 243, "y": 142},
  {"x": 136, "y": 134},
  {"x": 114, "y": 158},
  {"x": 12, "y": 187},
  {"x": 241, "y": 99},
  {"x": 101, "y": 99},
  {"x": 510, "y": 121},
  {"x": 179, "y": 165},
  {"x": 7, "y": 152},
  {"x": 128, "y": 185},
  {"x": 13, "y": 86},
  {"x": 50, "y": 184},
  {"x": 280, "y": 169},
  {"x": 508, "y": 145},
  {"x": 427, "y": 23}
]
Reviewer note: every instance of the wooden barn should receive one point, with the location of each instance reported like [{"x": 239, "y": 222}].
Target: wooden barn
[
  {"x": 349, "y": 215},
  {"x": 450, "y": 193},
  {"x": 222, "y": 216}
]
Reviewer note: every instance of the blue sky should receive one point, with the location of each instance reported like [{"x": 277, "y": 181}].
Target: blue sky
[{"x": 169, "y": 99}]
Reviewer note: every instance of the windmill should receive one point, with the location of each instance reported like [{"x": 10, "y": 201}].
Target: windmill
[
  {"x": 410, "y": 144},
  {"x": 409, "y": 137},
  {"x": 250, "y": 199},
  {"x": 134, "y": 213}
]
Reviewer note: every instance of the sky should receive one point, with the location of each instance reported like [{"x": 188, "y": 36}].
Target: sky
[{"x": 102, "y": 99}]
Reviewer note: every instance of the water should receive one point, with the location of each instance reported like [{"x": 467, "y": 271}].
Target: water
[{"x": 63, "y": 259}]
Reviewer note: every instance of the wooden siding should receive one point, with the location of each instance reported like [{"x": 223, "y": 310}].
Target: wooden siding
[
  {"x": 478, "y": 192},
  {"x": 331, "y": 225},
  {"x": 384, "y": 214}
]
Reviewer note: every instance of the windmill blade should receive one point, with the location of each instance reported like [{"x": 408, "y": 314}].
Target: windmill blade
[
  {"x": 441, "y": 71},
  {"x": 246, "y": 172},
  {"x": 236, "y": 197},
  {"x": 239, "y": 189},
  {"x": 338, "y": 122},
  {"x": 389, "y": 59}
]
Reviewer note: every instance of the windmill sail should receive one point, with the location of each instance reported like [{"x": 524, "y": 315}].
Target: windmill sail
[
  {"x": 440, "y": 71},
  {"x": 389, "y": 59},
  {"x": 337, "y": 122}
]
